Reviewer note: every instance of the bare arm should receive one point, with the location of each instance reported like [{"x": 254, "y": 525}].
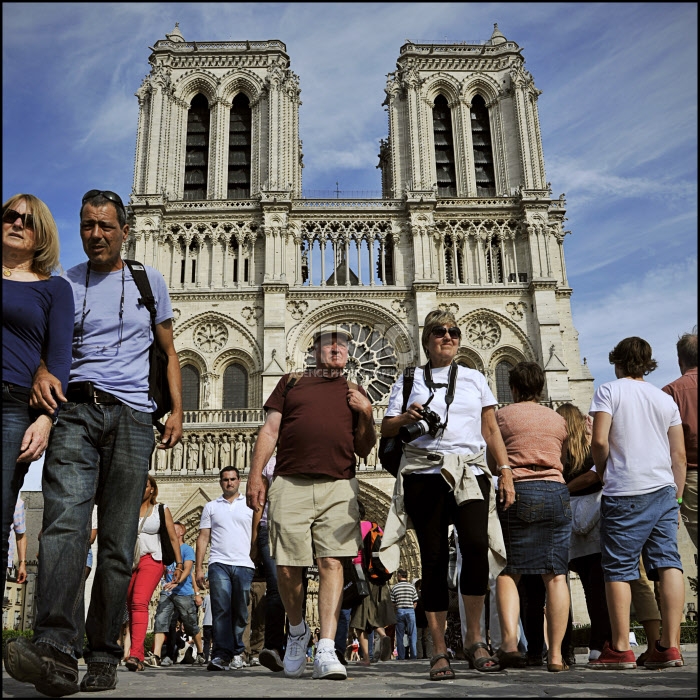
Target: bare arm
[
  {"x": 257, "y": 515},
  {"x": 178, "y": 575},
  {"x": 392, "y": 424},
  {"x": 676, "y": 441},
  {"x": 600, "y": 446},
  {"x": 365, "y": 435},
  {"x": 201, "y": 550},
  {"x": 497, "y": 456},
  {"x": 35, "y": 439},
  {"x": 256, "y": 488},
  {"x": 22, "y": 556},
  {"x": 583, "y": 481},
  {"x": 173, "y": 425}
]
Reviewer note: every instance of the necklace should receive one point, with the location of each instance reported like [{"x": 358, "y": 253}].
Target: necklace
[{"x": 7, "y": 271}]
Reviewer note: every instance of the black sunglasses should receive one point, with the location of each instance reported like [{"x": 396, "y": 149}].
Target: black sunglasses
[
  {"x": 440, "y": 331},
  {"x": 107, "y": 194},
  {"x": 9, "y": 216}
]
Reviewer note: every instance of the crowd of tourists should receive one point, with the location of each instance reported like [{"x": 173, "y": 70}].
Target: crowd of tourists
[{"x": 504, "y": 503}]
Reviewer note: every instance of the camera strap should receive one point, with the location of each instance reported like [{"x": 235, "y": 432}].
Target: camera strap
[{"x": 451, "y": 384}]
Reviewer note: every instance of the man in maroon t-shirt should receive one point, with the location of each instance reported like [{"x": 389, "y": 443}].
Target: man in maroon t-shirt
[{"x": 318, "y": 424}]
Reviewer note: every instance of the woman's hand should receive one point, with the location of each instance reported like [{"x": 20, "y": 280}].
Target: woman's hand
[
  {"x": 35, "y": 439},
  {"x": 506, "y": 489},
  {"x": 392, "y": 424}
]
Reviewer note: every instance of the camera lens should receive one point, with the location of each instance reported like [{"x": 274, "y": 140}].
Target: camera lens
[{"x": 410, "y": 432}]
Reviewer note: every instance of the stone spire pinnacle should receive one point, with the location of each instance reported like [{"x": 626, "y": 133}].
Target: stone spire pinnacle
[
  {"x": 176, "y": 34},
  {"x": 497, "y": 37}
]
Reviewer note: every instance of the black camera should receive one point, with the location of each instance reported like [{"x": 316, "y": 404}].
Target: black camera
[{"x": 430, "y": 424}]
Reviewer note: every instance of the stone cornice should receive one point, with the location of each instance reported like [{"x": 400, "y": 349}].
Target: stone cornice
[
  {"x": 543, "y": 284},
  {"x": 510, "y": 291},
  {"x": 209, "y": 295},
  {"x": 275, "y": 287},
  {"x": 425, "y": 287},
  {"x": 352, "y": 293}
]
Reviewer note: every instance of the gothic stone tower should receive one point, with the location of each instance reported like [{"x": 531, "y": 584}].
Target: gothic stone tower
[{"x": 466, "y": 222}]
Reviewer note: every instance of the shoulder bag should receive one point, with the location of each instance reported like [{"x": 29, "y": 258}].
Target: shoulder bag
[
  {"x": 137, "y": 546},
  {"x": 355, "y": 585},
  {"x": 585, "y": 512},
  {"x": 166, "y": 546},
  {"x": 391, "y": 448}
]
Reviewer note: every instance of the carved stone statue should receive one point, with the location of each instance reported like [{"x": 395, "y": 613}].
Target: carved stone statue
[
  {"x": 176, "y": 463},
  {"x": 208, "y": 455},
  {"x": 240, "y": 454},
  {"x": 224, "y": 452},
  {"x": 161, "y": 461},
  {"x": 192, "y": 455}
]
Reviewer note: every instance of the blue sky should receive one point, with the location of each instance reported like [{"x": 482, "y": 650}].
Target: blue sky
[{"x": 618, "y": 114}]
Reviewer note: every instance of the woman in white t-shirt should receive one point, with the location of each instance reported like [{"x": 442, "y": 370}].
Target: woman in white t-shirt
[
  {"x": 444, "y": 460},
  {"x": 639, "y": 453},
  {"x": 149, "y": 570}
]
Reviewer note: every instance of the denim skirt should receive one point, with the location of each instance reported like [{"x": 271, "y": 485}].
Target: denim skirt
[{"x": 537, "y": 528}]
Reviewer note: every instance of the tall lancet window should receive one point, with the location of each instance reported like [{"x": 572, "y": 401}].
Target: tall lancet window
[
  {"x": 197, "y": 149},
  {"x": 239, "y": 142},
  {"x": 483, "y": 153},
  {"x": 444, "y": 149}
]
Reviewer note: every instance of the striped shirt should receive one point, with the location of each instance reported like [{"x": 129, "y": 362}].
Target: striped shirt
[{"x": 404, "y": 594}]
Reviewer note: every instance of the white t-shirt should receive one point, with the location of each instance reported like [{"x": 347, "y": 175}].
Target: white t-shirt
[
  {"x": 231, "y": 525},
  {"x": 640, "y": 455},
  {"x": 463, "y": 432},
  {"x": 149, "y": 538}
]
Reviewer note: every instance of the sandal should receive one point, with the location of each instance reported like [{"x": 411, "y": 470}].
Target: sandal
[
  {"x": 133, "y": 664},
  {"x": 511, "y": 659},
  {"x": 480, "y": 663},
  {"x": 555, "y": 668},
  {"x": 442, "y": 673}
]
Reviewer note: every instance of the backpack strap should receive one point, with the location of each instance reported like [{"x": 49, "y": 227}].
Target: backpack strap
[
  {"x": 292, "y": 379},
  {"x": 408, "y": 375},
  {"x": 138, "y": 272}
]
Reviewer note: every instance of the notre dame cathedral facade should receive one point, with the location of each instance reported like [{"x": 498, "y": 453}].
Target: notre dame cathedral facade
[{"x": 466, "y": 222}]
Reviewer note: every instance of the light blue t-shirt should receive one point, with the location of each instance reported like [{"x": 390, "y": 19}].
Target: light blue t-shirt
[
  {"x": 98, "y": 357},
  {"x": 185, "y": 588}
]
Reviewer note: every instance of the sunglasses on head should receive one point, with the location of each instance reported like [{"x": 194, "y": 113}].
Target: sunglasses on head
[
  {"x": 9, "y": 216},
  {"x": 107, "y": 194},
  {"x": 440, "y": 331}
]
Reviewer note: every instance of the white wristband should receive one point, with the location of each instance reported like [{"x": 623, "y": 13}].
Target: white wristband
[{"x": 502, "y": 467}]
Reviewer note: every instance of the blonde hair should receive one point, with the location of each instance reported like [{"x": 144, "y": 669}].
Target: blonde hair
[
  {"x": 46, "y": 253},
  {"x": 578, "y": 445},
  {"x": 435, "y": 319}
]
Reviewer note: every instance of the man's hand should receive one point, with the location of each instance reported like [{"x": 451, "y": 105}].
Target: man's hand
[
  {"x": 22, "y": 572},
  {"x": 256, "y": 491},
  {"x": 42, "y": 393},
  {"x": 359, "y": 403},
  {"x": 199, "y": 577},
  {"x": 35, "y": 439},
  {"x": 506, "y": 489},
  {"x": 198, "y": 600},
  {"x": 173, "y": 432},
  {"x": 169, "y": 586}
]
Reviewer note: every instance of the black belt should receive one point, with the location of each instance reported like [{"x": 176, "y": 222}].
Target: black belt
[{"x": 87, "y": 392}]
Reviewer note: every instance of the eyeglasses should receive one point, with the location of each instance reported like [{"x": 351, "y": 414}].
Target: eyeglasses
[
  {"x": 107, "y": 194},
  {"x": 9, "y": 216},
  {"x": 440, "y": 331}
]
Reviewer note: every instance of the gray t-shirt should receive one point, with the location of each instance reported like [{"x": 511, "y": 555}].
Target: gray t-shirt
[{"x": 98, "y": 357}]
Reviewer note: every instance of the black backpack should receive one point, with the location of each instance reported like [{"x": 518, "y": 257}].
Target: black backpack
[
  {"x": 158, "y": 387},
  {"x": 391, "y": 448},
  {"x": 375, "y": 570}
]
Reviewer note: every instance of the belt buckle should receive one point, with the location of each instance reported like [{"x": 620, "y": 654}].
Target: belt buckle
[{"x": 96, "y": 397}]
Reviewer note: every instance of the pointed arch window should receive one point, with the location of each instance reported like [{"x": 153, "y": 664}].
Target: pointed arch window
[
  {"x": 239, "y": 148},
  {"x": 503, "y": 394},
  {"x": 444, "y": 148},
  {"x": 197, "y": 149},
  {"x": 483, "y": 153},
  {"x": 494, "y": 262},
  {"x": 235, "y": 387},
  {"x": 190, "y": 388}
]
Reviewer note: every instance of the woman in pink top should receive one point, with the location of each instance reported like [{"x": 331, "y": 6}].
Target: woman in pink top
[{"x": 537, "y": 529}]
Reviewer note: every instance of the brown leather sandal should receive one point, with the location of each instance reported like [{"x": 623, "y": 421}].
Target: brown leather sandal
[
  {"x": 480, "y": 663},
  {"x": 511, "y": 659},
  {"x": 443, "y": 673},
  {"x": 555, "y": 668},
  {"x": 133, "y": 664}
]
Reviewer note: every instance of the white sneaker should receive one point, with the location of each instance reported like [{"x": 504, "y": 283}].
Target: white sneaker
[
  {"x": 237, "y": 663},
  {"x": 254, "y": 661},
  {"x": 326, "y": 665},
  {"x": 295, "y": 654}
]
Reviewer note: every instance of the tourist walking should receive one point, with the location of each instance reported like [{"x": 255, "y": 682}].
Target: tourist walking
[
  {"x": 443, "y": 478},
  {"x": 318, "y": 422},
  {"x": 405, "y": 598}
]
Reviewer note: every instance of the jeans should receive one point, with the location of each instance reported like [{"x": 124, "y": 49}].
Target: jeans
[
  {"x": 97, "y": 454},
  {"x": 186, "y": 610},
  {"x": 206, "y": 641},
  {"x": 16, "y": 418},
  {"x": 341, "y": 632},
  {"x": 274, "y": 610},
  {"x": 406, "y": 622},
  {"x": 230, "y": 593}
]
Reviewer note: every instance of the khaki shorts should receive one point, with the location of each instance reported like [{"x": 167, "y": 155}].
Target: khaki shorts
[{"x": 318, "y": 512}]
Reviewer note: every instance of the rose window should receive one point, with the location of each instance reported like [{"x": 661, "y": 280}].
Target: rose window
[
  {"x": 371, "y": 362},
  {"x": 210, "y": 336},
  {"x": 483, "y": 333}
]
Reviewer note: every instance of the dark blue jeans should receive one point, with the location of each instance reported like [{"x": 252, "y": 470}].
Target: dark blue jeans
[
  {"x": 229, "y": 588},
  {"x": 97, "y": 454},
  {"x": 274, "y": 608},
  {"x": 16, "y": 418},
  {"x": 341, "y": 632},
  {"x": 406, "y": 622}
]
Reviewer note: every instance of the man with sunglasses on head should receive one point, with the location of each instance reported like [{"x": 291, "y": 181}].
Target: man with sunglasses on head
[{"x": 99, "y": 453}]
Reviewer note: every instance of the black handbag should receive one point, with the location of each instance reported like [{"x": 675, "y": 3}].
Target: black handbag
[
  {"x": 355, "y": 585},
  {"x": 158, "y": 387},
  {"x": 391, "y": 448},
  {"x": 166, "y": 546}
]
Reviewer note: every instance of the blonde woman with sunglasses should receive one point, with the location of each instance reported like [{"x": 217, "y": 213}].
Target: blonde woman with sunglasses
[{"x": 37, "y": 322}]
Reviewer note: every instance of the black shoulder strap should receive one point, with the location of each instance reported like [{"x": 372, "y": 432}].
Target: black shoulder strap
[
  {"x": 292, "y": 379},
  {"x": 408, "y": 374},
  {"x": 138, "y": 272}
]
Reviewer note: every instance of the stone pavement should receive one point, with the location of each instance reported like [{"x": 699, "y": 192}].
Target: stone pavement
[{"x": 397, "y": 679}]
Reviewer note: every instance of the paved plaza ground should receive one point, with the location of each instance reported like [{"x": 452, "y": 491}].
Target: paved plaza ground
[{"x": 397, "y": 679}]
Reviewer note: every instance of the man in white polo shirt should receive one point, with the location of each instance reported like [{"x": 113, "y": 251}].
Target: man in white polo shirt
[{"x": 228, "y": 523}]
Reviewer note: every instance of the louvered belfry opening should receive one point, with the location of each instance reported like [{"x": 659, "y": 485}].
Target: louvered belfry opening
[
  {"x": 197, "y": 149},
  {"x": 483, "y": 153},
  {"x": 444, "y": 149},
  {"x": 239, "y": 148}
]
